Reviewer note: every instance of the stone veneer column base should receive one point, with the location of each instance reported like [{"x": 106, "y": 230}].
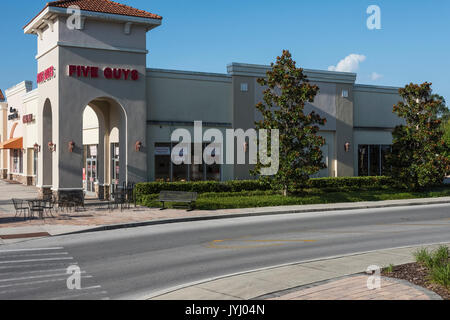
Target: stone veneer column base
[
  {"x": 4, "y": 173},
  {"x": 106, "y": 192},
  {"x": 44, "y": 192},
  {"x": 100, "y": 191}
]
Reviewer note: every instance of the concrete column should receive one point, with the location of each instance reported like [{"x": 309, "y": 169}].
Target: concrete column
[
  {"x": 344, "y": 131},
  {"x": 69, "y": 165},
  {"x": 4, "y": 136},
  {"x": 243, "y": 116}
]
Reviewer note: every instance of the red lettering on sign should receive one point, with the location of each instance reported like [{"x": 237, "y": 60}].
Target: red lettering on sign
[
  {"x": 28, "y": 118},
  {"x": 45, "y": 75},
  {"x": 72, "y": 70},
  {"x": 117, "y": 73},
  {"x": 134, "y": 75},
  {"x": 108, "y": 73},
  {"x": 126, "y": 73},
  {"x": 85, "y": 71},
  {"x": 94, "y": 72}
]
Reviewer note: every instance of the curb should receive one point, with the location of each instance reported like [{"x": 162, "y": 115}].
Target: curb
[{"x": 252, "y": 214}]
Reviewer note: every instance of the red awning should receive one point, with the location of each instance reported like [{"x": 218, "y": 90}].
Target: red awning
[{"x": 14, "y": 143}]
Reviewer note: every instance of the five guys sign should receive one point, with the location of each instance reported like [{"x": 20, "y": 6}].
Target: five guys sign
[
  {"x": 107, "y": 73},
  {"x": 46, "y": 75}
]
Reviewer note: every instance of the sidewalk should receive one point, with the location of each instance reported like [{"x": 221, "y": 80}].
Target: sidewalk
[
  {"x": 355, "y": 288},
  {"x": 333, "y": 278},
  {"x": 96, "y": 218},
  {"x": 99, "y": 219}
]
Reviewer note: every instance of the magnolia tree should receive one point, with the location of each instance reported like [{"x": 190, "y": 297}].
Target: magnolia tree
[
  {"x": 287, "y": 91},
  {"x": 419, "y": 155}
]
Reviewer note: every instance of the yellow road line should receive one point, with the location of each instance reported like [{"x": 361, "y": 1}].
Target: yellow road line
[{"x": 216, "y": 244}]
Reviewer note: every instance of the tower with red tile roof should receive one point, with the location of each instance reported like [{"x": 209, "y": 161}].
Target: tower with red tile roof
[{"x": 91, "y": 52}]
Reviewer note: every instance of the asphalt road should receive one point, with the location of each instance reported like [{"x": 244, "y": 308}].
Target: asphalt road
[{"x": 131, "y": 263}]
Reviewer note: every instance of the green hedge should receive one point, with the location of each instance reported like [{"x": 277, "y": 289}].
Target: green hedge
[
  {"x": 260, "y": 185},
  {"x": 202, "y": 186},
  {"x": 350, "y": 182}
]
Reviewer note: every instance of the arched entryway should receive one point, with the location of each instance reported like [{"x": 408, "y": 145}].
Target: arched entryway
[{"x": 104, "y": 156}]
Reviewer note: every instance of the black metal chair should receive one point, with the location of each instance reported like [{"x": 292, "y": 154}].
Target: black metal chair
[
  {"x": 36, "y": 206},
  {"x": 79, "y": 203},
  {"x": 48, "y": 205},
  {"x": 118, "y": 199},
  {"x": 130, "y": 195},
  {"x": 21, "y": 208}
]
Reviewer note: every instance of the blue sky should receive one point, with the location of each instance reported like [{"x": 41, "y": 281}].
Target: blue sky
[{"x": 412, "y": 46}]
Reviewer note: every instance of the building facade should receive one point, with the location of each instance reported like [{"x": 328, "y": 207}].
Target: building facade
[{"x": 99, "y": 117}]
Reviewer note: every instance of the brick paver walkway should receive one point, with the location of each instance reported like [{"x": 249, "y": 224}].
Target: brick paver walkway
[{"x": 355, "y": 288}]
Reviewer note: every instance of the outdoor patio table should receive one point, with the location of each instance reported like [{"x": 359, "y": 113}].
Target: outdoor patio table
[{"x": 36, "y": 205}]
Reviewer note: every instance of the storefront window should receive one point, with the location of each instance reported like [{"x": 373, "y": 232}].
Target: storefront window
[
  {"x": 180, "y": 172},
  {"x": 385, "y": 151},
  {"x": 165, "y": 170},
  {"x": 372, "y": 159},
  {"x": 212, "y": 171},
  {"x": 35, "y": 162},
  {"x": 363, "y": 160},
  {"x": 374, "y": 154},
  {"x": 162, "y": 162},
  {"x": 17, "y": 161},
  {"x": 196, "y": 170}
]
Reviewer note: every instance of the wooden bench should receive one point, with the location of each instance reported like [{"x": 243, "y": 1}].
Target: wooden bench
[{"x": 178, "y": 196}]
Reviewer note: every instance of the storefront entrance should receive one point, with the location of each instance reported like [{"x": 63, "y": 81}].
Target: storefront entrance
[
  {"x": 115, "y": 166},
  {"x": 90, "y": 169}
]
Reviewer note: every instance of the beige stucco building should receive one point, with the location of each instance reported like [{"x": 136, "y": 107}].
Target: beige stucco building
[{"x": 99, "y": 117}]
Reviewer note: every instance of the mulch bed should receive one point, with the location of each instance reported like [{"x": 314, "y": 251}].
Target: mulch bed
[{"x": 418, "y": 275}]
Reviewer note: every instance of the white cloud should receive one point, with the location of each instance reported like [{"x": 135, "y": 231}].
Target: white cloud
[
  {"x": 349, "y": 64},
  {"x": 376, "y": 76}
]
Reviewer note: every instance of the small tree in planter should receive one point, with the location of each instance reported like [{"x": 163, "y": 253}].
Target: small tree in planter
[
  {"x": 419, "y": 156},
  {"x": 299, "y": 145}
]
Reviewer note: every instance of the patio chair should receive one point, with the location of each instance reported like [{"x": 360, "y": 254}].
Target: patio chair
[
  {"x": 36, "y": 206},
  {"x": 130, "y": 196},
  {"x": 48, "y": 205},
  {"x": 119, "y": 199},
  {"x": 21, "y": 208}
]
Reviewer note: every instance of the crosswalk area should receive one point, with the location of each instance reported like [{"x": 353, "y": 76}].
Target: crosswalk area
[{"x": 45, "y": 274}]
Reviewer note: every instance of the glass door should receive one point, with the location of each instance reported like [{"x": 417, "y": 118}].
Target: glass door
[
  {"x": 115, "y": 166},
  {"x": 91, "y": 168}
]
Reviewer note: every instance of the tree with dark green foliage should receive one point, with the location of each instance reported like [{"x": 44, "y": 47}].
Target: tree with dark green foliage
[
  {"x": 287, "y": 91},
  {"x": 446, "y": 128},
  {"x": 444, "y": 115},
  {"x": 419, "y": 156}
]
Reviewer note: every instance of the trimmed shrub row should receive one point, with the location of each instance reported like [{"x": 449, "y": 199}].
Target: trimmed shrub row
[
  {"x": 202, "y": 186},
  {"x": 350, "y": 182},
  {"x": 259, "y": 185}
]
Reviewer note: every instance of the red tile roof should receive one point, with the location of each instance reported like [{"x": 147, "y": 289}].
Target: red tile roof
[
  {"x": 104, "y": 6},
  {"x": 2, "y": 97}
]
